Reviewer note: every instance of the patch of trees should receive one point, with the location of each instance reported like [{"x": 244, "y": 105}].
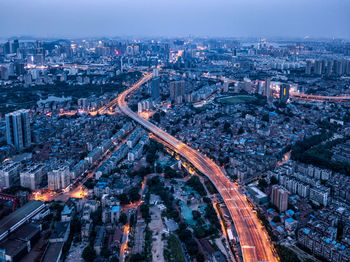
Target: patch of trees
[
  {"x": 196, "y": 185},
  {"x": 151, "y": 151},
  {"x": 156, "y": 186},
  {"x": 174, "y": 251},
  {"x": 156, "y": 117},
  {"x": 171, "y": 173},
  {"x": 89, "y": 254},
  {"x": 211, "y": 214},
  {"x": 123, "y": 218},
  {"x": 96, "y": 216},
  {"x": 262, "y": 184},
  {"x": 144, "y": 208},
  {"x": 186, "y": 237},
  {"x": 286, "y": 255},
  {"x": 132, "y": 196},
  {"x": 311, "y": 151},
  {"x": 211, "y": 188},
  {"x": 227, "y": 128},
  {"x": 89, "y": 184},
  {"x": 300, "y": 147}
]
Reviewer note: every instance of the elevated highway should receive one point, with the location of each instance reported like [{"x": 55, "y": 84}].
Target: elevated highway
[{"x": 254, "y": 241}]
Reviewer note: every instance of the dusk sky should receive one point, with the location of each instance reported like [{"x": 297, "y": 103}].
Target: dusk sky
[{"x": 262, "y": 18}]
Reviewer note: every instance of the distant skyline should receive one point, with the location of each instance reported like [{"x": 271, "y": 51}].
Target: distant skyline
[{"x": 217, "y": 18}]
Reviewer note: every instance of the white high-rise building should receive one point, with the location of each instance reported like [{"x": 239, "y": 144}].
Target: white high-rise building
[
  {"x": 18, "y": 129},
  {"x": 9, "y": 174},
  {"x": 155, "y": 72},
  {"x": 32, "y": 176},
  {"x": 58, "y": 178}
]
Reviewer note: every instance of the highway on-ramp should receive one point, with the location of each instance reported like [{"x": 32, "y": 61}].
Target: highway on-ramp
[{"x": 254, "y": 242}]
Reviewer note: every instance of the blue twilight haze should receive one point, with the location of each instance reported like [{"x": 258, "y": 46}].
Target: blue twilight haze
[{"x": 80, "y": 18}]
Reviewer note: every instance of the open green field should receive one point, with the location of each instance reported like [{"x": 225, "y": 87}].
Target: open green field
[{"x": 231, "y": 100}]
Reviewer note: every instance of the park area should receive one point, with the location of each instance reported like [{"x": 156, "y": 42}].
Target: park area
[{"x": 231, "y": 100}]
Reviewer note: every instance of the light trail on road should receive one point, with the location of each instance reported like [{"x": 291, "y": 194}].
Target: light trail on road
[{"x": 254, "y": 241}]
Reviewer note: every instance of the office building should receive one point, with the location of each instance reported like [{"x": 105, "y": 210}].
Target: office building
[
  {"x": 279, "y": 197},
  {"x": 14, "y": 46},
  {"x": 284, "y": 93},
  {"x": 155, "y": 72},
  {"x": 318, "y": 67},
  {"x": 308, "y": 67},
  {"x": 177, "y": 90},
  {"x": 155, "y": 91},
  {"x": 18, "y": 129},
  {"x": 267, "y": 87}
]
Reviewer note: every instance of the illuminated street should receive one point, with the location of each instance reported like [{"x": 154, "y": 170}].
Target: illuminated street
[{"x": 253, "y": 238}]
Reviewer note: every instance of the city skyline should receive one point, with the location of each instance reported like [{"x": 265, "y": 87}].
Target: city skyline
[
  {"x": 175, "y": 131},
  {"x": 315, "y": 19}
]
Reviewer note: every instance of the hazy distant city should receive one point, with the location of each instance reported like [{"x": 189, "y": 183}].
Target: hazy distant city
[{"x": 174, "y": 149}]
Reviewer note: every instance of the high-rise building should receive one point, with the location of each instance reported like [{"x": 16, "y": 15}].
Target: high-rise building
[
  {"x": 18, "y": 129},
  {"x": 225, "y": 86},
  {"x": 14, "y": 46},
  {"x": 308, "y": 67},
  {"x": 329, "y": 69},
  {"x": 279, "y": 197},
  {"x": 7, "y": 48},
  {"x": 267, "y": 87},
  {"x": 4, "y": 74},
  {"x": 177, "y": 90},
  {"x": 32, "y": 176},
  {"x": 58, "y": 178},
  {"x": 9, "y": 174},
  {"x": 318, "y": 67},
  {"x": 155, "y": 72},
  {"x": 284, "y": 93},
  {"x": 347, "y": 71},
  {"x": 155, "y": 91},
  {"x": 338, "y": 68}
]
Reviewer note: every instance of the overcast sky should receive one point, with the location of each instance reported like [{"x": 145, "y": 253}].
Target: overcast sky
[{"x": 261, "y": 18}]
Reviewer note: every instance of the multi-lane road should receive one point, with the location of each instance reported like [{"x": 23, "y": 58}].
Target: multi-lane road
[{"x": 254, "y": 242}]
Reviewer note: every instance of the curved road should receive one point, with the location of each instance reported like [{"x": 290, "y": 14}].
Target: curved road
[
  {"x": 253, "y": 238},
  {"x": 320, "y": 97}
]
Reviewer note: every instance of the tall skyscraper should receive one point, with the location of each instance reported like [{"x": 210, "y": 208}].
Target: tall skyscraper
[
  {"x": 155, "y": 72},
  {"x": 318, "y": 67},
  {"x": 177, "y": 90},
  {"x": 308, "y": 67},
  {"x": 18, "y": 129},
  {"x": 267, "y": 87},
  {"x": 7, "y": 48},
  {"x": 284, "y": 93},
  {"x": 155, "y": 91},
  {"x": 14, "y": 46},
  {"x": 329, "y": 70},
  {"x": 279, "y": 197}
]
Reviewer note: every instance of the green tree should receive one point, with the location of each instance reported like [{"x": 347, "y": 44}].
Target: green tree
[
  {"x": 88, "y": 254},
  {"x": 240, "y": 130},
  {"x": 262, "y": 184},
  {"x": 123, "y": 218},
  {"x": 196, "y": 214},
  {"x": 276, "y": 219},
  {"x": 273, "y": 181}
]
